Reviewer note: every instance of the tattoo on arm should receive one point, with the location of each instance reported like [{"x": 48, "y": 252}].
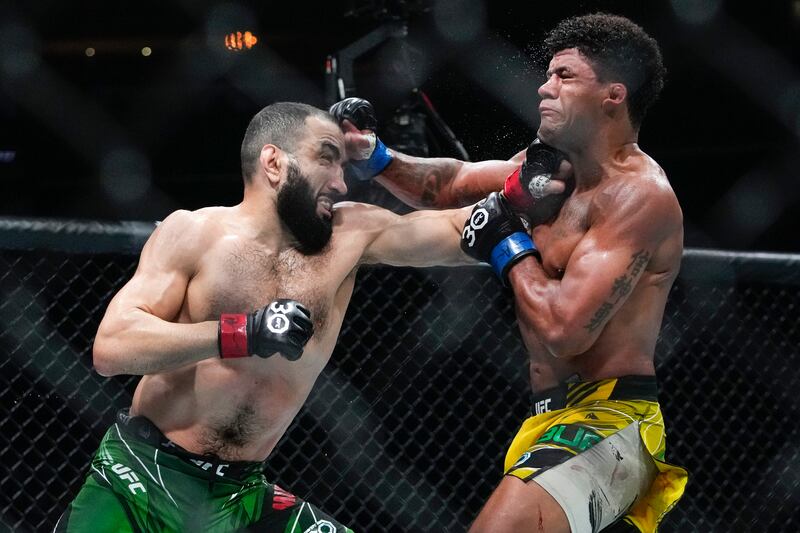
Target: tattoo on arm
[
  {"x": 426, "y": 180},
  {"x": 620, "y": 288}
]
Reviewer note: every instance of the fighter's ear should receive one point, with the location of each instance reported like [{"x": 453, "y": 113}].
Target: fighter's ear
[
  {"x": 616, "y": 96},
  {"x": 270, "y": 161}
]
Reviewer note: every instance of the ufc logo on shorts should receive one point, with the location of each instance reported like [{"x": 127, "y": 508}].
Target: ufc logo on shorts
[
  {"x": 542, "y": 406},
  {"x": 321, "y": 526},
  {"x": 127, "y": 474},
  {"x": 477, "y": 220},
  {"x": 205, "y": 466}
]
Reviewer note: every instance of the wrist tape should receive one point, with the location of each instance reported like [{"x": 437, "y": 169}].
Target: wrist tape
[
  {"x": 515, "y": 193},
  {"x": 232, "y": 336},
  {"x": 509, "y": 251},
  {"x": 377, "y": 162}
]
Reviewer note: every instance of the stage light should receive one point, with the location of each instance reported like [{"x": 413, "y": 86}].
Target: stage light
[
  {"x": 237, "y": 41},
  {"x": 89, "y": 52},
  {"x": 146, "y": 51}
]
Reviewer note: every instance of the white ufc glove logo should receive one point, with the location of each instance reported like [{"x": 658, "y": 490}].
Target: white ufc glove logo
[
  {"x": 279, "y": 322},
  {"x": 477, "y": 220}
]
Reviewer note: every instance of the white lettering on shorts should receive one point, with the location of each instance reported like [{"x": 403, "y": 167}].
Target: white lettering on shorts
[
  {"x": 542, "y": 406},
  {"x": 321, "y": 526},
  {"x": 525, "y": 456},
  {"x": 201, "y": 464},
  {"x": 126, "y": 474},
  {"x": 205, "y": 466}
]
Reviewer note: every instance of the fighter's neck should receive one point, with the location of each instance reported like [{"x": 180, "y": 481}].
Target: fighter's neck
[
  {"x": 595, "y": 160},
  {"x": 258, "y": 218}
]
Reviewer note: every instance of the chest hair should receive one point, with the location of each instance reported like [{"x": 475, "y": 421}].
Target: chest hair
[{"x": 251, "y": 278}]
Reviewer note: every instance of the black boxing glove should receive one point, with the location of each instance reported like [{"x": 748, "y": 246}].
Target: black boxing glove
[
  {"x": 377, "y": 157},
  {"x": 526, "y": 185},
  {"x": 283, "y": 326},
  {"x": 495, "y": 235}
]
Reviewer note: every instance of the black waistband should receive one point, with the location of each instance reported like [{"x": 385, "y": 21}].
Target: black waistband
[
  {"x": 581, "y": 392},
  {"x": 142, "y": 429}
]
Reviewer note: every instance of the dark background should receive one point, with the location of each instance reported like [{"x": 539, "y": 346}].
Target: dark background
[
  {"x": 121, "y": 136},
  {"x": 413, "y": 437}
]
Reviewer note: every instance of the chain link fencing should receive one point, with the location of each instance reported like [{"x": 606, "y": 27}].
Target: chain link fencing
[{"x": 407, "y": 427}]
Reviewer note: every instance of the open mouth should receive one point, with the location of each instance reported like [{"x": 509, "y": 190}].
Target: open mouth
[{"x": 326, "y": 206}]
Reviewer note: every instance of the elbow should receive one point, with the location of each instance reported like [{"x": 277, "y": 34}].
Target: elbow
[
  {"x": 103, "y": 358},
  {"x": 567, "y": 341},
  {"x": 559, "y": 345},
  {"x": 564, "y": 348},
  {"x": 559, "y": 328}
]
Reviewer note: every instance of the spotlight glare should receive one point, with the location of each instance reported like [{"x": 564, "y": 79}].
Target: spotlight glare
[{"x": 237, "y": 41}]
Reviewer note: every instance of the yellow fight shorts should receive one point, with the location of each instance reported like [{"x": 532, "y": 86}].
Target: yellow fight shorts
[{"x": 572, "y": 417}]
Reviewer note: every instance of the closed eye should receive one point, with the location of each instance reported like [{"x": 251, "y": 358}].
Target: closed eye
[
  {"x": 330, "y": 152},
  {"x": 560, "y": 72}
]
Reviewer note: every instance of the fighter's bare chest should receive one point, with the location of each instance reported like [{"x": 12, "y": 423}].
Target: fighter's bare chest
[
  {"x": 243, "y": 278},
  {"x": 558, "y": 240}
]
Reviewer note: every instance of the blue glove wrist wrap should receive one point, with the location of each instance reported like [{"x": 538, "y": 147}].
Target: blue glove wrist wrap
[
  {"x": 509, "y": 249},
  {"x": 377, "y": 162}
]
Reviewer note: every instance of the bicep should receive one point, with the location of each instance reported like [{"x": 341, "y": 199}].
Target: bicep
[
  {"x": 422, "y": 238},
  {"x": 617, "y": 248},
  {"x": 599, "y": 278},
  {"x": 158, "y": 292},
  {"x": 158, "y": 287}
]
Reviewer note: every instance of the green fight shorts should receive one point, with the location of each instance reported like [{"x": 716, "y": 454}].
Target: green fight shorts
[{"x": 140, "y": 481}]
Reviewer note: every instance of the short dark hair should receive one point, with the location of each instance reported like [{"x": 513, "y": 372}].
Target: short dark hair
[
  {"x": 282, "y": 124},
  {"x": 618, "y": 49}
]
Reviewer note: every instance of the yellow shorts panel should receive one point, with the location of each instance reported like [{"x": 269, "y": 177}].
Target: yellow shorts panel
[{"x": 550, "y": 438}]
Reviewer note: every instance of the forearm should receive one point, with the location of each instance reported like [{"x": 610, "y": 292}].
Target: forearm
[
  {"x": 422, "y": 183},
  {"x": 541, "y": 308},
  {"x": 144, "y": 344},
  {"x": 447, "y": 245},
  {"x": 419, "y": 239},
  {"x": 443, "y": 183}
]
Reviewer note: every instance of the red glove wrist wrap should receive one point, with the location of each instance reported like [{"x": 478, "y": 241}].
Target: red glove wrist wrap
[
  {"x": 517, "y": 197},
  {"x": 233, "y": 336}
]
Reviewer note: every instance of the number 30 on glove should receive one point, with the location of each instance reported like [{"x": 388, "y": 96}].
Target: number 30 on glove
[{"x": 495, "y": 235}]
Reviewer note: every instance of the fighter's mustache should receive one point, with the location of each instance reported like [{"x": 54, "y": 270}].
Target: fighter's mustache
[{"x": 334, "y": 197}]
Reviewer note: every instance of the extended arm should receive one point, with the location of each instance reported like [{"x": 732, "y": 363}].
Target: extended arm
[
  {"x": 421, "y": 238},
  {"x": 422, "y": 183},
  {"x": 525, "y": 181},
  {"x": 443, "y": 182}
]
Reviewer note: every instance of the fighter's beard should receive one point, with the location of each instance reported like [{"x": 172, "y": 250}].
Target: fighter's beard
[{"x": 297, "y": 209}]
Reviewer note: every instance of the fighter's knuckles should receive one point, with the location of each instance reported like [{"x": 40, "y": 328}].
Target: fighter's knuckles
[
  {"x": 563, "y": 172},
  {"x": 554, "y": 187},
  {"x": 357, "y": 110},
  {"x": 348, "y": 127}
]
